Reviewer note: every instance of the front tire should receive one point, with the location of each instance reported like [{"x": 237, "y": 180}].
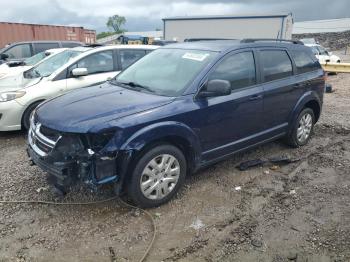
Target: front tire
[
  {"x": 158, "y": 175},
  {"x": 302, "y": 128},
  {"x": 26, "y": 115}
]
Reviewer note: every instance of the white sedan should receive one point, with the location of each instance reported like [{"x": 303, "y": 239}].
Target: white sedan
[
  {"x": 13, "y": 68},
  {"x": 323, "y": 55},
  {"x": 71, "y": 69}
]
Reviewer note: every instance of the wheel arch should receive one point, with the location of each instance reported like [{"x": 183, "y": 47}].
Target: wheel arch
[{"x": 36, "y": 102}]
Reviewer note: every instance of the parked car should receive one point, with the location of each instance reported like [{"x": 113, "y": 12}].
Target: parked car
[
  {"x": 17, "y": 67},
  {"x": 181, "y": 108},
  {"x": 323, "y": 55},
  {"x": 22, "y": 50},
  {"x": 71, "y": 69}
]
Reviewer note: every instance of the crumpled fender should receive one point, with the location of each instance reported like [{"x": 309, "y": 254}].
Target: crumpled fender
[{"x": 154, "y": 132}]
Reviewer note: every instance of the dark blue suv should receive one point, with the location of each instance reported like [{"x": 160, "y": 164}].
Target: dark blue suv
[{"x": 178, "y": 109}]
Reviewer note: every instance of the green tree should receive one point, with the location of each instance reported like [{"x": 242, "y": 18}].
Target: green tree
[
  {"x": 104, "y": 34},
  {"x": 116, "y": 22}
]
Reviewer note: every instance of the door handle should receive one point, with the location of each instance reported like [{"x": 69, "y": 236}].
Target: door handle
[
  {"x": 298, "y": 85},
  {"x": 255, "y": 97}
]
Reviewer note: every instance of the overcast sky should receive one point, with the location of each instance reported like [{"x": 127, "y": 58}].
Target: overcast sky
[{"x": 147, "y": 14}]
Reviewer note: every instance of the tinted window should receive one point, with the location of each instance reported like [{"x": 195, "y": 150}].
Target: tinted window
[
  {"x": 276, "y": 64},
  {"x": 238, "y": 69},
  {"x": 40, "y": 47},
  {"x": 100, "y": 62},
  {"x": 304, "y": 62},
  {"x": 70, "y": 44},
  {"x": 128, "y": 57},
  {"x": 19, "y": 51}
]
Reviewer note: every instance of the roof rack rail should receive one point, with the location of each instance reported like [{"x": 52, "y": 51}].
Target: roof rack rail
[
  {"x": 253, "y": 40},
  {"x": 93, "y": 45},
  {"x": 205, "y": 39}
]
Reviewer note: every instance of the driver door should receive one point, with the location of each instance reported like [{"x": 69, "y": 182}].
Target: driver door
[{"x": 232, "y": 122}]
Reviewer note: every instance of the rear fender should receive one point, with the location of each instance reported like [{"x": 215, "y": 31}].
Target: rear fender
[{"x": 307, "y": 97}]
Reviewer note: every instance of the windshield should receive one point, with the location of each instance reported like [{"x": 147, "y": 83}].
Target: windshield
[
  {"x": 51, "y": 64},
  {"x": 35, "y": 59},
  {"x": 165, "y": 71}
]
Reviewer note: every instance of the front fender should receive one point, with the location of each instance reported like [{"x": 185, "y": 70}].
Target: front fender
[
  {"x": 159, "y": 131},
  {"x": 154, "y": 132}
]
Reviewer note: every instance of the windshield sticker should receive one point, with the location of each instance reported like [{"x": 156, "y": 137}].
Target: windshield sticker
[{"x": 196, "y": 57}]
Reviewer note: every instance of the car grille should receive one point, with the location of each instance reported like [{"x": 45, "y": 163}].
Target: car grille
[{"x": 42, "y": 139}]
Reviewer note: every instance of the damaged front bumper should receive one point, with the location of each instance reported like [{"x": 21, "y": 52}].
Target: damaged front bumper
[{"x": 68, "y": 159}]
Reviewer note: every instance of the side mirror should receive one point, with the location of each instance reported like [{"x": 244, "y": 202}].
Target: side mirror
[
  {"x": 4, "y": 56},
  {"x": 216, "y": 87},
  {"x": 77, "y": 72}
]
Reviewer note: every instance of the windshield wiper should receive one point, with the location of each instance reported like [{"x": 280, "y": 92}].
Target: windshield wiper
[{"x": 133, "y": 85}]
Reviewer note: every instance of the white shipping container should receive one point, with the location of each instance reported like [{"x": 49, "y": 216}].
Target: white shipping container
[{"x": 278, "y": 26}]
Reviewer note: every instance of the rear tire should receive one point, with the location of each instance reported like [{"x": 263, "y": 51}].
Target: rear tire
[
  {"x": 302, "y": 129},
  {"x": 157, "y": 176},
  {"x": 26, "y": 115}
]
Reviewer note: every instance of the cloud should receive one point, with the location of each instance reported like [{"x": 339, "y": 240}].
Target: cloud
[{"x": 146, "y": 14}]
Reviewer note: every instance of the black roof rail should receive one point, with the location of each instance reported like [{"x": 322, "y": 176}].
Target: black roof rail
[
  {"x": 253, "y": 40},
  {"x": 205, "y": 39},
  {"x": 93, "y": 45}
]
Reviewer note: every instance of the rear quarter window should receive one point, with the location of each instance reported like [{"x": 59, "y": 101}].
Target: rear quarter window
[
  {"x": 276, "y": 64},
  {"x": 304, "y": 61}
]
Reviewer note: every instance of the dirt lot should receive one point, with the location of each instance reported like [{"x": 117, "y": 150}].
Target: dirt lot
[{"x": 297, "y": 212}]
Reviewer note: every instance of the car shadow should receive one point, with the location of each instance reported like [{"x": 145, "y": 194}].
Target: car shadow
[{"x": 13, "y": 134}]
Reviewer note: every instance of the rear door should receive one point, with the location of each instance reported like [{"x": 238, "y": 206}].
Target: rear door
[
  {"x": 280, "y": 88},
  {"x": 127, "y": 57},
  {"x": 101, "y": 66},
  {"x": 229, "y": 123}
]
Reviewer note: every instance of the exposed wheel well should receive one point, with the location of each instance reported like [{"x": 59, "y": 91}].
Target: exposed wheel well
[{"x": 313, "y": 104}]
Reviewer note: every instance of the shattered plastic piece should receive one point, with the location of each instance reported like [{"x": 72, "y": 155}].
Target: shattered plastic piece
[
  {"x": 238, "y": 188},
  {"x": 41, "y": 189},
  {"x": 250, "y": 163},
  {"x": 259, "y": 162},
  {"x": 292, "y": 192},
  {"x": 266, "y": 172},
  {"x": 274, "y": 167},
  {"x": 283, "y": 160},
  {"x": 197, "y": 224}
]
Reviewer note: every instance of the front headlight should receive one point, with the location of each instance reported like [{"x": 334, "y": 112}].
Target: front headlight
[{"x": 8, "y": 96}]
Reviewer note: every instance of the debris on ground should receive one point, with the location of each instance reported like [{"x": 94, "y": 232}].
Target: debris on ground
[
  {"x": 197, "y": 224},
  {"x": 260, "y": 162}
]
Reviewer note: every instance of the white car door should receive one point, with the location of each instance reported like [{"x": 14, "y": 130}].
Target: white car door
[{"x": 101, "y": 66}]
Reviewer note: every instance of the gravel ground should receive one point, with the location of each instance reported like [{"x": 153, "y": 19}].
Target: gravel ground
[{"x": 297, "y": 212}]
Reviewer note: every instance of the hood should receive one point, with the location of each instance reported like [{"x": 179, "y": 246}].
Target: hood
[
  {"x": 17, "y": 81},
  {"x": 92, "y": 108}
]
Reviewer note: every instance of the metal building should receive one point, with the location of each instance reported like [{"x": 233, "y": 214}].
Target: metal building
[{"x": 233, "y": 27}]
